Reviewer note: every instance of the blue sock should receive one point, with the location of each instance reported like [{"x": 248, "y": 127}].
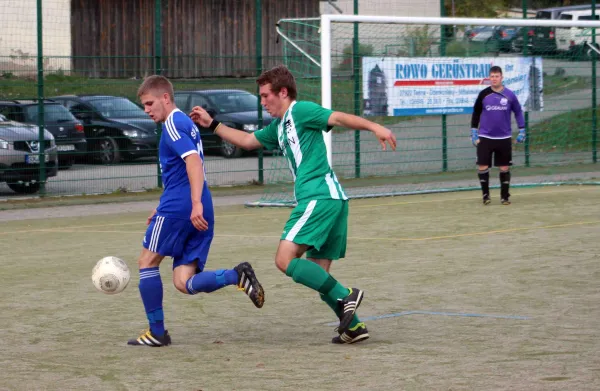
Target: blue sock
[
  {"x": 210, "y": 281},
  {"x": 151, "y": 289}
]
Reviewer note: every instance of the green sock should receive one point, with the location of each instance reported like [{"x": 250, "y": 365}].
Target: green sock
[
  {"x": 316, "y": 278},
  {"x": 333, "y": 305}
]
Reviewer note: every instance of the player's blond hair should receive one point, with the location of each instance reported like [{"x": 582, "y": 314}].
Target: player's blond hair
[{"x": 156, "y": 85}]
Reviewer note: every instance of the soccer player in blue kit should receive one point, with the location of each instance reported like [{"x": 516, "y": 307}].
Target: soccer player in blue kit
[
  {"x": 491, "y": 133},
  {"x": 182, "y": 226}
]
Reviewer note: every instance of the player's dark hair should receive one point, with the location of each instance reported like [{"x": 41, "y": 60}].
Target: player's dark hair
[
  {"x": 279, "y": 77},
  {"x": 156, "y": 83},
  {"x": 495, "y": 69}
]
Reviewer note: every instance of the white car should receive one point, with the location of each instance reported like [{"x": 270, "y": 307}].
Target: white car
[{"x": 576, "y": 39}]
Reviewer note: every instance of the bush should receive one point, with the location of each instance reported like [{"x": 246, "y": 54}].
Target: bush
[{"x": 364, "y": 50}]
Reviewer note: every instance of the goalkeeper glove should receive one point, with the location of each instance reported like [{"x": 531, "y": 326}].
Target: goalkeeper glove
[
  {"x": 522, "y": 136},
  {"x": 474, "y": 136}
]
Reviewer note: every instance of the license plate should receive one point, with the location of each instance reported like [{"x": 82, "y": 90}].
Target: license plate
[
  {"x": 65, "y": 148},
  {"x": 35, "y": 159},
  {"x": 541, "y": 35}
]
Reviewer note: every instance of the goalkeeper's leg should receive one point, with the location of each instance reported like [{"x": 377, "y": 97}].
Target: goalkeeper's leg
[{"x": 484, "y": 160}]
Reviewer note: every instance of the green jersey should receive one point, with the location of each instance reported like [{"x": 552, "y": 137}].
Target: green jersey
[{"x": 299, "y": 135}]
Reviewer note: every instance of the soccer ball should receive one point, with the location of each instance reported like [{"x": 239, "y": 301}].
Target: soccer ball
[{"x": 111, "y": 275}]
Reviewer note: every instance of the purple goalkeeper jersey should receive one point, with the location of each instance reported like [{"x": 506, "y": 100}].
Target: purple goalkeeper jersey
[{"x": 491, "y": 113}]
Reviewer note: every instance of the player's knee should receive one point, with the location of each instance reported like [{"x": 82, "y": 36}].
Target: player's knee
[
  {"x": 180, "y": 285},
  {"x": 282, "y": 263},
  {"x": 483, "y": 168}
]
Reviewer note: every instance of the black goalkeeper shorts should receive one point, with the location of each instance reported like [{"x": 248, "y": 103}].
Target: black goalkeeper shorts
[{"x": 501, "y": 149}]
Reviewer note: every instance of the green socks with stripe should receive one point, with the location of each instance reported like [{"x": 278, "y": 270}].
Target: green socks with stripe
[{"x": 316, "y": 278}]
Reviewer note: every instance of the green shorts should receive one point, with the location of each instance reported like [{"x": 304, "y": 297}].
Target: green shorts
[{"x": 320, "y": 224}]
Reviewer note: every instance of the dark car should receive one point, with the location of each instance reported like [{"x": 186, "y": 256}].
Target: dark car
[
  {"x": 115, "y": 127},
  {"x": 235, "y": 108},
  {"x": 507, "y": 38},
  {"x": 66, "y": 129}
]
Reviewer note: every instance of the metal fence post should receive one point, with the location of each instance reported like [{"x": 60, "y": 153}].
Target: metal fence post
[
  {"x": 40, "y": 97},
  {"x": 259, "y": 69},
  {"x": 525, "y": 42},
  {"x": 444, "y": 117},
  {"x": 594, "y": 97},
  {"x": 158, "y": 71},
  {"x": 357, "y": 98}
]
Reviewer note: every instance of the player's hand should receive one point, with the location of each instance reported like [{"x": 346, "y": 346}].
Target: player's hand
[
  {"x": 474, "y": 137},
  {"x": 522, "y": 136},
  {"x": 201, "y": 117},
  {"x": 385, "y": 135},
  {"x": 197, "y": 217},
  {"x": 149, "y": 220}
]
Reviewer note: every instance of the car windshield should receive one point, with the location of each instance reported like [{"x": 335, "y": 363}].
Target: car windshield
[
  {"x": 52, "y": 113},
  {"x": 117, "y": 108},
  {"x": 235, "y": 102},
  {"x": 543, "y": 15}
]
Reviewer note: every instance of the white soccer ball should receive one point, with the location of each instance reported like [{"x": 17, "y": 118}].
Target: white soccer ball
[{"x": 111, "y": 275}]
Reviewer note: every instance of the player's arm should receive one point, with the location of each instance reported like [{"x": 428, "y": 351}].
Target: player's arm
[
  {"x": 346, "y": 120},
  {"x": 195, "y": 173},
  {"x": 477, "y": 110},
  {"x": 236, "y": 137},
  {"x": 518, "y": 111},
  {"x": 476, "y": 117}
]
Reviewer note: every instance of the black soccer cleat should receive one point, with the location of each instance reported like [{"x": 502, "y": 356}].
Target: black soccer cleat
[
  {"x": 149, "y": 339},
  {"x": 348, "y": 306},
  {"x": 486, "y": 200},
  {"x": 505, "y": 201},
  {"x": 359, "y": 333},
  {"x": 248, "y": 283}
]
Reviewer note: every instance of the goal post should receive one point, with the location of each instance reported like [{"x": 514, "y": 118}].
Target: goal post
[{"x": 430, "y": 70}]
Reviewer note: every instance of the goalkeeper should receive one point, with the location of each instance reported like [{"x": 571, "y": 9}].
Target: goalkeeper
[{"x": 491, "y": 133}]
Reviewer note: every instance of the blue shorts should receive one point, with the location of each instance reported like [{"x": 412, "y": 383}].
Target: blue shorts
[{"x": 179, "y": 239}]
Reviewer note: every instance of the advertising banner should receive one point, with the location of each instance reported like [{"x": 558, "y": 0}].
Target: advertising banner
[{"x": 401, "y": 86}]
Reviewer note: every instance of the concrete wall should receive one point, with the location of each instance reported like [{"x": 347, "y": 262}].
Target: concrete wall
[{"x": 18, "y": 36}]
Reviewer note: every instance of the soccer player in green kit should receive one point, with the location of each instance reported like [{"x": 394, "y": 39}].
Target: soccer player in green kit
[{"x": 318, "y": 224}]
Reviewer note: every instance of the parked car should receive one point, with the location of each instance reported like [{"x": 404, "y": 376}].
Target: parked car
[
  {"x": 574, "y": 40},
  {"x": 543, "y": 39},
  {"x": 235, "y": 108},
  {"x": 115, "y": 127},
  {"x": 66, "y": 129},
  {"x": 20, "y": 156},
  {"x": 508, "y": 36}
]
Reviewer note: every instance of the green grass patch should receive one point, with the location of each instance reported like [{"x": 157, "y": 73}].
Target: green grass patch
[{"x": 567, "y": 132}]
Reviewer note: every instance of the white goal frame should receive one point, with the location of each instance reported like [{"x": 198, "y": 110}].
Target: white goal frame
[{"x": 325, "y": 40}]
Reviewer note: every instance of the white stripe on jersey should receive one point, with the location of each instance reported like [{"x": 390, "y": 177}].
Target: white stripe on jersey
[
  {"x": 171, "y": 129},
  {"x": 344, "y": 196},
  {"x": 188, "y": 153},
  {"x": 300, "y": 223},
  {"x": 333, "y": 191},
  {"x": 293, "y": 138}
]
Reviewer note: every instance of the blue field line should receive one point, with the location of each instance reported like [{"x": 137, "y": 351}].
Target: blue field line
[{"x": 464, "y": 314}]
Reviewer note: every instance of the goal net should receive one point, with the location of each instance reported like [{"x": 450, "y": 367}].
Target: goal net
[{"x": 420, "y": 78}]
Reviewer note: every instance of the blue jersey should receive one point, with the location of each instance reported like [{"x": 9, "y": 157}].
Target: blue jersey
[
  {"x": 180, "y": 138},
  {"x": 491, "y": 113}
]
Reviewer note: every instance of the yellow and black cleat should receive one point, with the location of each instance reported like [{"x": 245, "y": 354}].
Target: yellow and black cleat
[
  {"x": 248, "y": 283},
  {"x": 149, "y": 339}
]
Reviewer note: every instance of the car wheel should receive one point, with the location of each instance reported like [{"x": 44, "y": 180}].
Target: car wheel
[
  {"x": 25, "y": 187},
  {"x": 65, "y": 164},
  {"x": 229, "y": 150},
  {"x": 589, "y": 52},
  {"x": 108, "y": 151}
]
